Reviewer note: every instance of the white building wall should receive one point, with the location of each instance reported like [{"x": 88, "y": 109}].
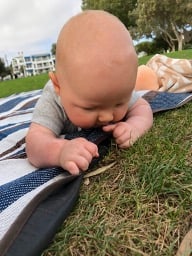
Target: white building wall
[{"x": 33, "y": 64}]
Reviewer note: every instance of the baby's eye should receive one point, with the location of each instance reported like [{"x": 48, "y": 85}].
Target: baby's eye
[
  {"x": 119, "y": 105},
  {"x": 89, "y": 108}
]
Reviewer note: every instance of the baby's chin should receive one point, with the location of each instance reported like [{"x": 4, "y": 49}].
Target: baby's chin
[
  {"x": 82, "y": 126},
  {"x": 99, "y": 125},
  {"x": 95, "y": 126}
]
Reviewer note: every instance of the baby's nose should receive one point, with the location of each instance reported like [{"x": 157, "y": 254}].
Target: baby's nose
[{"x": 105, "y": 116}]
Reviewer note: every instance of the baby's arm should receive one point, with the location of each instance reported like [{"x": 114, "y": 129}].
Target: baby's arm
[
  {"x": 44, "y": 149},
  {"x": 139, "y": 121}
]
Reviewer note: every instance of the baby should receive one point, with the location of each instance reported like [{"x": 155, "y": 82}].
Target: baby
[{"x": 93, "y": 86}]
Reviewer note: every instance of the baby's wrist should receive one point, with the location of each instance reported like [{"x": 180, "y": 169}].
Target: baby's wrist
[{"x": 61, "y": 148}]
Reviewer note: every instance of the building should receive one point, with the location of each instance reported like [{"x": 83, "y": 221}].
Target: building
[{"x": 32, "y": 64}]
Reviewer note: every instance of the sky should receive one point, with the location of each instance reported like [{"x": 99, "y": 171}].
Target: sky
[{"x": 31, "y": 27}]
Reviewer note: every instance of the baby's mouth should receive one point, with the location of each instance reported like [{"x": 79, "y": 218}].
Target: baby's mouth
[{"x": 104, "y": 124}]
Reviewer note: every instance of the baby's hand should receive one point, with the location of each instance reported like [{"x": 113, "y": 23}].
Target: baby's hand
[
  {"x": 123, "y": 133},
  {"x": 77, "y": 154}
]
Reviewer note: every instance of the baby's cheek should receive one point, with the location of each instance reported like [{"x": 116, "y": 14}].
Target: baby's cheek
[
  {"x": 87, "y": 121},
  {"x": 120, "y": 114}
]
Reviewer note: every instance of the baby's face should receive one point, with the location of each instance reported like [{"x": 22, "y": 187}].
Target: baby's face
[
  {"x": 85, "y": 112},
  {"x": 97, "y": 101},
  {"x": 97, "y": 93}
]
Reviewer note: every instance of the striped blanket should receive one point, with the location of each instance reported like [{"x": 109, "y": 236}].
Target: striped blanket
[{"x": 22, "y": 186}]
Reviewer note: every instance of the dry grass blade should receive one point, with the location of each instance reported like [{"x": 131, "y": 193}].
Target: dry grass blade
[{"x": 99, "y": 170}]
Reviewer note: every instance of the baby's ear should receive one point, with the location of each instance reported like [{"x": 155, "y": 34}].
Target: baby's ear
[{"x": 54, "y": 80}]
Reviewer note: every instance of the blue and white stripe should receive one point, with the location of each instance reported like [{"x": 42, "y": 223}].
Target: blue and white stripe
[{"x": 20, "y": 182}]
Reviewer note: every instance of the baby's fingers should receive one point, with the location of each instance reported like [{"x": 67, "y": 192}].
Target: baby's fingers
[
  {"x": 92, "y": 149},
  {"x": 80, "y": 164},
  {"x": 119, "y": 129},
  {"x": 109, "y": 128},
  {"x": 72, "y": 167},
  {"x": 125, "y": 144}
]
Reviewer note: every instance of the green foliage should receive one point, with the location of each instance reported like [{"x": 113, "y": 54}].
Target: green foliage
[
  {"x": 158, "y": 45},
  {"x": 119, "y": 8},
  {"x": 165, "y": 18},
  {"x": 3, "y": 70},
  {"x": 149, "y": 48},
  {"x": 188, "y": 46},
  {"x": 53, "y": 49}
]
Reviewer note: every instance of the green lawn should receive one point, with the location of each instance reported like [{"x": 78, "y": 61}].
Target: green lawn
[
  {"x": 142, "y": 205},
  {"x": 186, "y": 54},
  {"x": 22, "y": 84}
]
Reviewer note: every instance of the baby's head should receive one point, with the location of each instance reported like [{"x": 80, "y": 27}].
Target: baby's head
[{"x": 96, "y": 68}]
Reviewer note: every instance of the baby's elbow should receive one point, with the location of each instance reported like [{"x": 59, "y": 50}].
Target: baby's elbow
[
  {"x": 32, "y": 159},
  {"x": 29, "y": 149},
  {"x": 28, "y": 143},
  {"x": 149, "y": 117}
]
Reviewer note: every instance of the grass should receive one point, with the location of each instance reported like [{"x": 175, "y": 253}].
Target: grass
[
  {"x": 25, "y": 84},
  {"x": 186, "y": 54},
  {"x": 142, "y": 205}
]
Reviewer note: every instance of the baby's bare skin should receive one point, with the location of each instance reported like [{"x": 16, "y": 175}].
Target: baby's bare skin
[{"x": 96, "y": 69}]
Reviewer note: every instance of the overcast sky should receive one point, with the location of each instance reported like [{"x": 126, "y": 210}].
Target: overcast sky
[{"x": 32, "y": 26}]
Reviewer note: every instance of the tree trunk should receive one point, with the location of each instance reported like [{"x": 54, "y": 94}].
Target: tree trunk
[
  {"x": 180, "y": 42},
  {"x": 168, "y": 38},
  {"x": 173, "y": 47},
  {"x": 179, "y": 35}
]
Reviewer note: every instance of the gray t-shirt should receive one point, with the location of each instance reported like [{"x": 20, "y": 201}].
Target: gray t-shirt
[{"x": 49, "y": 112}]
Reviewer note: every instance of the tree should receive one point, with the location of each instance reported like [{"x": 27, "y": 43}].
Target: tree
[
  {"x": 3, "y": 70},
  {"x": 53, "y": 49},
  {"x": 119, "y": 8},
  {"x": 168, "y": 19}
]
